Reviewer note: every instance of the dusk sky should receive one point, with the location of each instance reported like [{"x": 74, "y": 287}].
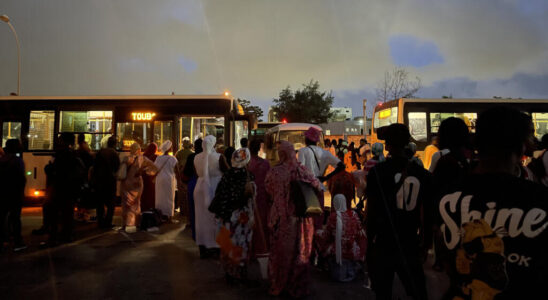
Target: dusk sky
[{"x": 255, "y": 48}]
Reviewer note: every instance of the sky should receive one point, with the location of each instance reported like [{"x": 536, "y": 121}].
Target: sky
[{"x": 256, "y": 48}]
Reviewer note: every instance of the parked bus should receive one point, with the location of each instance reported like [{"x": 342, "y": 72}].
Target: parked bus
[
  {"x": 424, "y": 116},
  {"x": 291, "y": 132},
  {"x": 37, "y": 120}
]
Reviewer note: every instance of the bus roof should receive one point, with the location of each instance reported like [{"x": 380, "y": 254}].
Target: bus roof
[
  {"x": 293, "y": 126},
  {"x": 118, "y": 97},
  {"x": 471, "y": 100}
]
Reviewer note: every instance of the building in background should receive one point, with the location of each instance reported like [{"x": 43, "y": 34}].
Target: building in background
[
  {"x": 347, "y": 127},
  {"x": 340, "y": 114}
]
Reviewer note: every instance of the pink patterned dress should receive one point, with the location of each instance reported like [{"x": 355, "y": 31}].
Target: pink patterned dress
[
  {"x": 259, "y": 168},
  {"x": 353, "y": 242},
  {"x": 290, "y": 237}
]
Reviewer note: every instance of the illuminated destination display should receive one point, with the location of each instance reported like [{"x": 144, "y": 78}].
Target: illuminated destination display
[
  {"x": 143, "y": 116},
  {"x": 385, "y": 113}
]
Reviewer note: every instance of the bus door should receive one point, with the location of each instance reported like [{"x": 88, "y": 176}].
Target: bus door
[{"x": 241, "y": 128}]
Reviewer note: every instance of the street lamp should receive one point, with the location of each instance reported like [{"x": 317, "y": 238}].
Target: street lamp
[{"x": 6, "y": 19}]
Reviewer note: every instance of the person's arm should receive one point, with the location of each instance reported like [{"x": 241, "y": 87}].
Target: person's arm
[{"x": 339, "y": 167}]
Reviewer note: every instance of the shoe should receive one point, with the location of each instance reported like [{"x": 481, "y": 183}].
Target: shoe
[
  {"x": 131, "y": 229},
  {"x": 19, "y": 247},
  {"x": 153, "y": 229}
]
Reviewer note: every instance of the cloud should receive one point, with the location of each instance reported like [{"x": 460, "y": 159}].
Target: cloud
[{"x": 407, "y": 50}]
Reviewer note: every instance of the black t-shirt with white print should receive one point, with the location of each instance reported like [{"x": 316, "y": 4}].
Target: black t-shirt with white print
[{"x": 504, "y": 252}]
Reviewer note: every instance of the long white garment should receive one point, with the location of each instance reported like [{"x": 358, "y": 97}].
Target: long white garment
[
  {"x": 209, "y": 176},
  {"x": 166, "y": 184},
  {"x": 339, "y": 202}
]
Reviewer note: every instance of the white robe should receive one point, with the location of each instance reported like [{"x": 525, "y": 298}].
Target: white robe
[
  {"x": 166, "y": 184},
  {"x": 206, "y": 226}
]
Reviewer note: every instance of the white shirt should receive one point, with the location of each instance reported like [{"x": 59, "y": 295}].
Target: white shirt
[{"x": 324, "y": 157}]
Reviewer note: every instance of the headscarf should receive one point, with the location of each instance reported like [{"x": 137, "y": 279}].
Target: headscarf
[
  {"x": 378, "y": 150},
  {"x": 150, "y": 151},
  {"x": 165, "y": 146},
  {"x": 290, "y": 157},
  {"x": 134, "y": 148},
  {"x": 313, "y": 134},
  {"x": 339, "y": 203},
  {"x": 240, "y": 158},
  {"x": 208, "y": 144}
]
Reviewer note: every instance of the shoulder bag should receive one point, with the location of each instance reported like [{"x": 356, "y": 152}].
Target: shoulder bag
[{"x": 304, "y": 198}]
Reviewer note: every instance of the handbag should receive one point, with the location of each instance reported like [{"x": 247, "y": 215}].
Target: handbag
[{"x": 305, "y": 199}]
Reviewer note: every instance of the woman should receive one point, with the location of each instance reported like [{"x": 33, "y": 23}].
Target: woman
[
  {"x": 343, "y": 241},
  {"x": 190, "y": 176},
  {"x": 233, "y": 206},
  {"x": 166, "y": 182},
  {"x": 378, "y": 156},
  {"x": 132, "y": 186},
  {"x": 147, "y": 200},
  {"x": 343, "y": 183},
  {"x": 208, "y": 168},
  {"x": 259, "y": 168},
  {"x": 291, "y": 237}
]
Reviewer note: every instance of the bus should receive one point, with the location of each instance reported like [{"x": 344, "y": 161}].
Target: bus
[
  {"x": 424, "y": 116},
  {"x": 37, "y": 120},
  {"x": 291, "y": 132}
]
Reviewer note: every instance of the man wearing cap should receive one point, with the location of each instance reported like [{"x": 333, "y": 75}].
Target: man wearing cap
[
  {"x": 399, "y": 210},
  {"x": 317, "y": 160}
]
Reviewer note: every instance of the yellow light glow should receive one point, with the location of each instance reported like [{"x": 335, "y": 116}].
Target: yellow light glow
[
  {"x": 143, "y": 116},
  {"x": 385, "y": 113},
  {"x": 227, "y": 93},
  {"x": 36, "y": 193}
]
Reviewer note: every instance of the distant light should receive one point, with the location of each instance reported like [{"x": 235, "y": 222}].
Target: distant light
[
  {"x": 36, "y": 193},
  {"x": 284, "y": 121},
  {"x": 227, "y": 93},
  {"x": 29, "y": 173}
]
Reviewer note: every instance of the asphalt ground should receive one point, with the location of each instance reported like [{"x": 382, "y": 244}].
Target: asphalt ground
[{"x": 108, "y": 264}]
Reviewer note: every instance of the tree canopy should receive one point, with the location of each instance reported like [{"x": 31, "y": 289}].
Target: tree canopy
[
  {"x": 308, "y": 105},
  {"x": 396, "y": 84},
  {"x": 248, "y": 108}
]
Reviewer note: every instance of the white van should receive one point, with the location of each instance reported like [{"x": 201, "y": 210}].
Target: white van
[{"x": 291, "y": 132}]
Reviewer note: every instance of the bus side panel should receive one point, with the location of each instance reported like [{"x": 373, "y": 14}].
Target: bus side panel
[{"x": 35, "y": 190}]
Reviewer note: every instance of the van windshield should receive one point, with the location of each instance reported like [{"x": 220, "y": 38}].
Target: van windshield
[{"x": 296, "y": 137}]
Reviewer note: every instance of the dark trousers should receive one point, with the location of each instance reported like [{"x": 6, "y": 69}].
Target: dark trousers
[
  {"x": 10, "y": 218},
  {"x": 105, "y": 197},
  {"x": 382, "y": 265},
  {"x": 61, "y": 213}
]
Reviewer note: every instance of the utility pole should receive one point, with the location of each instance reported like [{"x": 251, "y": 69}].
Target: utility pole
[{"x": 364, "y": 118}]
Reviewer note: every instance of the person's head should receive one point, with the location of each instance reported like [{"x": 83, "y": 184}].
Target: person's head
[
  {"x": 340, "y": 142},
  {"x": 286, "y": 152},
  {"x": 378, "y": 151},
  {"x": 186, "y": 144},
  {"x": 198, "y": 146},
  {"x": 334, "y": 143},
  {"x": 240, "y": 158},
  {"x": 166, "y": 147},
  {"x": 13, "y": 146},
  {"x": 243, "y": 142},
  {"x": 228, "y": 154},
  {"x": 150, "y": 150},
  {"x": 209, "y": 143},
  {"x": 66, "y": 140},
  {"x": 327, "y": 143},
  {"x": 411, "y": 149},
  {"x": 312, "y": 136},
  {"x": 255, "y": 146},
  {"x": 135, "y": 149},
  {"x": 363, "y": 142},
  {"x": 396, "y": 137},
  {"x": 435, "y": 140},
  {"x": 111, "y": 142},
  {"x": 81, "y": 138},
  {"x": 351, "y": 146},
  {"x": 502, "y": 134},
  {"x": 453, "y": 134}
]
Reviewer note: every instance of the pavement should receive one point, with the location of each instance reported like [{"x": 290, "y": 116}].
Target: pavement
[{"x": 108, "y": 264}]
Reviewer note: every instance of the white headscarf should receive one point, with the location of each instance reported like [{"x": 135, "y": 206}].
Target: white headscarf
[
  {"x": 208, "y": 145},
  {"x": 165, "y": 146},
  {"x": 339, "y": 203}
]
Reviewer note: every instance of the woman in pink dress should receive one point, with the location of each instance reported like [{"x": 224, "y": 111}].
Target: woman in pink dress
[
  {"x": 259, "y": 168},
  {"x": 291, "y": 236}
]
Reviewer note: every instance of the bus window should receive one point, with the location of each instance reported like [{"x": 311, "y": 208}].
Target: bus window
[
  {"x": 204, "y": 126},
  {"x": 41, "y": 130},
  {"x": 96, "y": 125},
  {"x": 541, "y": 124},
  {"x": 10, "y": 130},
  {"x": 385, "y": 117},
  {"x": 468, "y": 118},
  {"x": 163, "y": 131},
  {"x": 417, "y": 126},
  {"x": 132, "y": 132}
]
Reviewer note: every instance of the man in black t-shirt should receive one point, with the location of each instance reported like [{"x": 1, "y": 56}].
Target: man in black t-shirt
[
  {"x": 494, "y": 225},
  {"x": 398, "y": 223}
]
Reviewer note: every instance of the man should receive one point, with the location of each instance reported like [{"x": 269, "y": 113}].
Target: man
[
  {"x": 317, "y": 160},
  {"x": 399, "y": 197},
  {"x": 103, "y": 182},
  {"x": 244, "y": 142},
  {"x": 494, "y": 224},
  {"x": 12, "y": 185},
  {"x": 66, "y": 175},
  {"x": 182, "y": 187}
]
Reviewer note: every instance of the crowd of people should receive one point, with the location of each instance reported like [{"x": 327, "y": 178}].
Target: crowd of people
[{"x": 477, "y": 200}]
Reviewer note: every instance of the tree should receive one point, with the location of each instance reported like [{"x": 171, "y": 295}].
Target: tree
[
  {"x": 308, "y": 105},
  {"x": 248, "y": 108},
  {"x": 396, "y": 84}
]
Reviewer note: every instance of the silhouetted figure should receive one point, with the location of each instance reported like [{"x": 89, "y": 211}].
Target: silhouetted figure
[
  {"x": 12, "y": 187},
  {"x": 103, "y": 181},
  {"x": 243, "y": 143}
]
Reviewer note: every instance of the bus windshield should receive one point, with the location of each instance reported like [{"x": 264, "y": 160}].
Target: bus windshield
[{"x": 385, "y": 117}]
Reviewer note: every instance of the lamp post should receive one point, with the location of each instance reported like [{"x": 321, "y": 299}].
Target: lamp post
[{"x": 6, "y": 19}]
